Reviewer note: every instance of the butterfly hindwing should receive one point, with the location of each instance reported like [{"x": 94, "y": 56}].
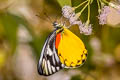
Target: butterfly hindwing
[{"x": 49, "y": 62}]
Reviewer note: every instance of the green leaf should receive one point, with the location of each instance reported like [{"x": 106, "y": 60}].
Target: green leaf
[
  {"x": 64, "y": 2},
  {"x": 10, "y": 27}
]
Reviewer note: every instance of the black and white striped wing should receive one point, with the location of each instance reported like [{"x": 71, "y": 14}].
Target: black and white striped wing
[{"x": 49, "y": 62}]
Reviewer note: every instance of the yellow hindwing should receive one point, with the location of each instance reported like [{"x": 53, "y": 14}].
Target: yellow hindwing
[{"x": 71, "y": 49}]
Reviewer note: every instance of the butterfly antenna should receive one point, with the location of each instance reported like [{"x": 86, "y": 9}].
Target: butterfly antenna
[
  {"x": 56, "y": 18},
  {"x": 42, "y": 18},
  {"x": 61, "y": 19},
  {"x": 48, "y": 17}
]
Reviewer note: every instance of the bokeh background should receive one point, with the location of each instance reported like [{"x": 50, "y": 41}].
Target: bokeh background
[{"x": 24, "y": 28}]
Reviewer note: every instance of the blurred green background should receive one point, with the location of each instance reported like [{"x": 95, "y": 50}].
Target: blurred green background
[{"x": 24, "y": 28}]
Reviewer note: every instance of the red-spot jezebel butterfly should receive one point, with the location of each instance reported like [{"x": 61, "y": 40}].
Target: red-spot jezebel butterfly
[{"x": 62, "y": 49}]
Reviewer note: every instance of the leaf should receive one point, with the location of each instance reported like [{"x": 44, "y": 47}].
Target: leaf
[
  {"x": 10, "y": 27},
  {"x": 64, "y": 2}
]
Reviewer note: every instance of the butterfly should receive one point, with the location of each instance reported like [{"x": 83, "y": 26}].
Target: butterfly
[{"x": 62, "y": 49}]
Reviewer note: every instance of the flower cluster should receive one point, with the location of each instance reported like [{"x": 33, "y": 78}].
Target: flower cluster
[
  {"x": 85, "y": 27},
  {"x": 69, "y": 13},
  {"x": 103, "y": 15},
  {"x": 105, "y": 10}
]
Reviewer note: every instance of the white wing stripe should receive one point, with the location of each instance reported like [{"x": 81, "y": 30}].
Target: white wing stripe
[
  {"x": 50, "y": 53},
  {"x": 58, "y": 68},
  {"x": 53, "y": 69},
  {"x": 49, "y": 67},
  {"x": 53, "y": 59},
  {"x": 45, "y": 69},
  {"x": 43, "y": 63}
]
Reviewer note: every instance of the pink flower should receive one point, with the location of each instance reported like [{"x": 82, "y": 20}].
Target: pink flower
[
  {"x": 85, "y": 29},
  {"x": 103, "y": 15},
  {"x": 67, "y": 11},
  {"x": 73, "y": 19},
  {"x": 78, "y": 22}
]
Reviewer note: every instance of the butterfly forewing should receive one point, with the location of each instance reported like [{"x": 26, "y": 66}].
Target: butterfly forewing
[{"x": 49, "y": 62}]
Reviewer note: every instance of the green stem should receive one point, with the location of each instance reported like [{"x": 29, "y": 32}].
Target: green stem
[
  {"x": 105, "y": 1},
  {"x": 88, "y": 20},
  {"x": 80, "y": 4},
  {"x": 98, "y": 2},
  {"x": 78, "y": 14}
]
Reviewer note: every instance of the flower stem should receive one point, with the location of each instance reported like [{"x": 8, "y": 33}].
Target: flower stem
[
  {"x": 88, "y": 20},
  {"x": 105, "y": 1},
  {"x": 79, "y": 13},
  {"x": 98, "y": 2},
  {"x": 81, "y": 4}
]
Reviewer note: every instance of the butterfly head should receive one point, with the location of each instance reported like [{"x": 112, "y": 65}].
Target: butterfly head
[{"x": 57, "y": 25}]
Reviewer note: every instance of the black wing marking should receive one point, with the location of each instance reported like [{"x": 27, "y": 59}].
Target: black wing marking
[{"x": 49, "y": 62}]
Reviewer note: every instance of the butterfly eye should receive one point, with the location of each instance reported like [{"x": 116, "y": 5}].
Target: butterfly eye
[{"x": 55, "y": 24}]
